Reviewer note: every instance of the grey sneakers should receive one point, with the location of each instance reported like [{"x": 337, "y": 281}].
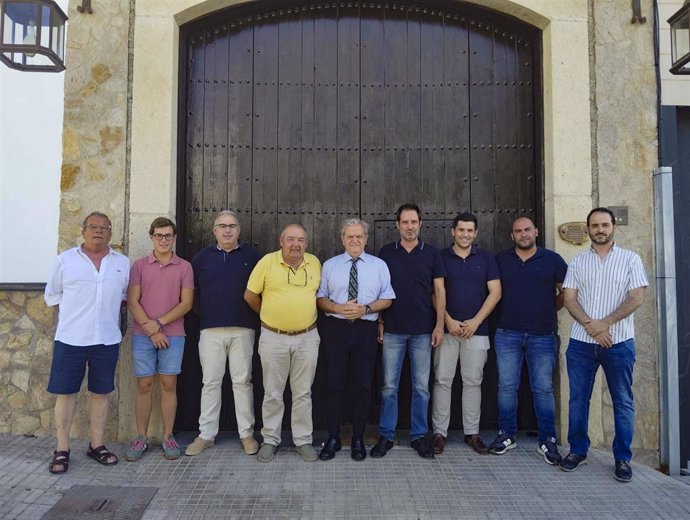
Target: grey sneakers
[
  {"x": 267, "y": 452},
  {"x": 137, "y": 449},
  {"x": 307, "y": 452}
]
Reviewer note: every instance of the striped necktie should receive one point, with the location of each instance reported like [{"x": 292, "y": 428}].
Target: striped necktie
[{"x": 353, "y": 286}]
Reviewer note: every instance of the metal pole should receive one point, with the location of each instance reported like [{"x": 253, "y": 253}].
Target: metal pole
[{"x": 667, "y": 318}]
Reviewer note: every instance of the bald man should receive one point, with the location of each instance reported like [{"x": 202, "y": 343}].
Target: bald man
[{"x": 532, "y": 279}]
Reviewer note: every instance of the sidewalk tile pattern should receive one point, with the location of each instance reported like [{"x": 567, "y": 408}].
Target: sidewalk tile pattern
[{"x": 224, "y": 483}]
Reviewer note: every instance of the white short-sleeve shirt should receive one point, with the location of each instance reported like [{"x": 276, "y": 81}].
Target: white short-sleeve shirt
[{"x": 89, "y": 299}]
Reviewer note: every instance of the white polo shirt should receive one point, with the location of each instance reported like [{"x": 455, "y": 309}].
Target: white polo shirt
[
  {"x": 602, "y": 286},
  {"x": 89, "y": 299}
]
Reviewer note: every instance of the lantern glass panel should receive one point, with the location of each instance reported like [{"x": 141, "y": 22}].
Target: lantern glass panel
[
  {"x": 21, "y": 12},
  {"x": 20, "y": 23},
  {"x": 58, "y": 39},
  {"x": 45, "y": 23},
  {"x": 6, "y": 29},
  {"x": 680, "y": 38}
]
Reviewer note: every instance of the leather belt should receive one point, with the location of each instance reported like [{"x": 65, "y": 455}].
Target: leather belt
[{"x": 289, "y": 332}]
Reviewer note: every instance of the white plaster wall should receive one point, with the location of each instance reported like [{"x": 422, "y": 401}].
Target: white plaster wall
[
  {"x": 31, "y": 108},
  {"x": 675, "y": 90}
]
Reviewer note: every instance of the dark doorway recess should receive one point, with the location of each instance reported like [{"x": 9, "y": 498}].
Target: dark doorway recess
[
  {"x": 674, "y": 137},
  {"x": 317, "y": 112}
]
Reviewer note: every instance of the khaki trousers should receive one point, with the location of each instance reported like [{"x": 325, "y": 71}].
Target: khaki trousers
[
  {"x": 473, "y": 353},
  {"x": 236, "y": 344},
  {"x": 283, "y": 356}
]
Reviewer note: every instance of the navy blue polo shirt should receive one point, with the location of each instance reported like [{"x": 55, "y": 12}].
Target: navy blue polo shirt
[
  {"x": 412, "y": 278},
  {"x": 529, "y": 290},
  {"x": 220, "y": 279},
  {"x": 466, "y": 280}
]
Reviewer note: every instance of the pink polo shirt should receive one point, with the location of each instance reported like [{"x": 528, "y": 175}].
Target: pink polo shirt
[{"x": 161, "y": 286}]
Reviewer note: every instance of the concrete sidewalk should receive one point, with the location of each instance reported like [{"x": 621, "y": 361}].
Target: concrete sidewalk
[{"x": 222, "y": 482}]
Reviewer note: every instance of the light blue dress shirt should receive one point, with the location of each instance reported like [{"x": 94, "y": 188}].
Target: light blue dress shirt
[{"x": 373, "y": 281}]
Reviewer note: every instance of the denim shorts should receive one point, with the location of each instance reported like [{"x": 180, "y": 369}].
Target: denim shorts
[
  {"x": 69, "y": 366},
  {"x": 149, "y": 360}
]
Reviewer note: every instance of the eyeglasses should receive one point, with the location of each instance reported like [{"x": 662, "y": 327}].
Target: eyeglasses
[
  {"x": 96, "y": 227},
  {"x": 227, "y": 226},
  {"x": 159, "y": 237},
  {"x": 296, "y": 277}
]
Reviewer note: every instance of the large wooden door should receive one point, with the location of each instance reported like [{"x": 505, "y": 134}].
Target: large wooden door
[{"x": 312, "y": 113}]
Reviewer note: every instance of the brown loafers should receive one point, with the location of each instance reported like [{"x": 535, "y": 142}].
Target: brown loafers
[
  {"x": 438, "y": 443},
  {"x": 477, "y": 444}
]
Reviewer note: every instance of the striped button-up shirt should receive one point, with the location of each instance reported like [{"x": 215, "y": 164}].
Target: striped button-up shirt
[{"x": 602, "y": 286}]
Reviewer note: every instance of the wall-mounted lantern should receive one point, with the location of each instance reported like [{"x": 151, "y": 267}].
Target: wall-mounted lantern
[
  {"x": 680, "y": 40},
  {"x": 32, "y": 35}
]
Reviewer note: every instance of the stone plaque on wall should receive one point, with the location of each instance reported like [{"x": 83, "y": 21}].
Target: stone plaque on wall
[{"x": 574, "y": 232}]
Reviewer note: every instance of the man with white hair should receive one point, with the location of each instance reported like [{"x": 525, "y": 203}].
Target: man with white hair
[{"x": 355, "y": 287}]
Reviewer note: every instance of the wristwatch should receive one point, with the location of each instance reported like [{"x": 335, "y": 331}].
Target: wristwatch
[{"x": 367, "y": 310}]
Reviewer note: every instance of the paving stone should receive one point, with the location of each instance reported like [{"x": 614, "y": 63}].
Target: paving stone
[{"x": 222, "y": 482}]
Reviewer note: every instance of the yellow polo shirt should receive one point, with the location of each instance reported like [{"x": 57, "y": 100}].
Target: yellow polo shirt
[{"x": 288, "y": 298}]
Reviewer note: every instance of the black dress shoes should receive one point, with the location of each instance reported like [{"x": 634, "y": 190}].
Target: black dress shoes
[
  {"x": 423, "y": 448},
  {"x": 381, "y": 448},
  {"x": 357, "y": 450},
  {"x": 329, "y": 449}
]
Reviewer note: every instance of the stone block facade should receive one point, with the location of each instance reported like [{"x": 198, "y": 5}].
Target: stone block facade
[
  {"x": 27, "y": 327},
  {"x": 625, "y": 136},
  {"x": 120, "y": 87}
]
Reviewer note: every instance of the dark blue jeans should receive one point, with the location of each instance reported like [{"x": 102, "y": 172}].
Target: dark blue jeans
[
  {"x": 394, "y": 348},
  {"x": 512, "y": 348},
  {"x": 583, "y": 362}
]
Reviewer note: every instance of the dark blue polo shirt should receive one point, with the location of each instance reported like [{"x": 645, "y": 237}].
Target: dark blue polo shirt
[
  {"x": 466, "y": 280},
  {"x": 412, "y": 278},
  {"x": 220, "y": 279},
  {"x": 529, "y": 291}
]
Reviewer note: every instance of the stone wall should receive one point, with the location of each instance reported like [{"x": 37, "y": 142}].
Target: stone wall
[
  {"x": 95, "y": 122},
  {"x": 625, "y": 136},
  {"x": 27, "y": 328},
  {"x": 26, "y": 341}
]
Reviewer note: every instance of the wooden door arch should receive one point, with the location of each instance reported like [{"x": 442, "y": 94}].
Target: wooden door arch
[{"x": 314, "y": 112}]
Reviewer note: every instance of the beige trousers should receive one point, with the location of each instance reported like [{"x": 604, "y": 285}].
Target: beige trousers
[
  {"x": 473, "y": 353},
  {"x": 283, "y": 356},
  {"x": 236, "y": 344}
]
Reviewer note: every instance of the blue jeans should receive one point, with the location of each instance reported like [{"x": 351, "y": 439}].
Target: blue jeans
[
  {"x": 583, "y": 362},
  {"x": 512, "y": 348},
  {"x": 394, "y": 348}
]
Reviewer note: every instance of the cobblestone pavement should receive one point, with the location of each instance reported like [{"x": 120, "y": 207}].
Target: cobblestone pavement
[{"x": 222, "y": 482}]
